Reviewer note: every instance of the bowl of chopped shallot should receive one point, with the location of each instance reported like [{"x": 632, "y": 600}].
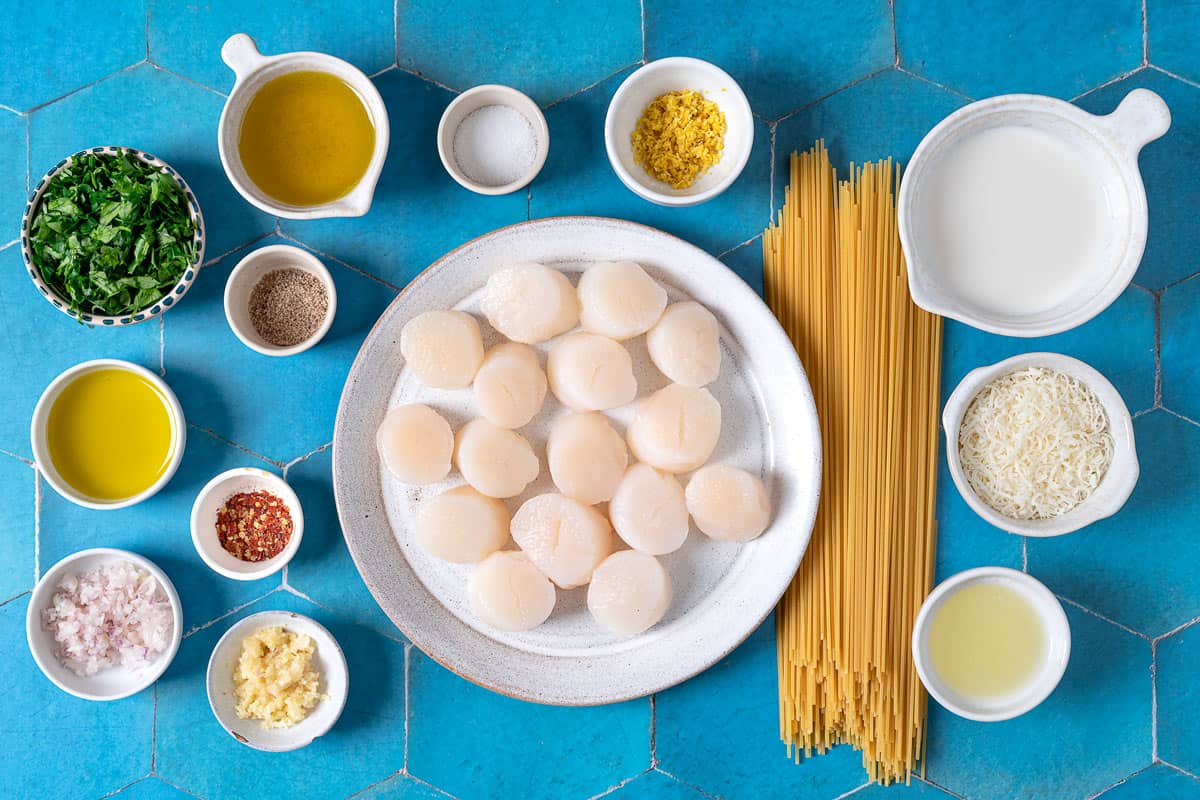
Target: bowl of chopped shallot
[{"x": 104, "y": 624}]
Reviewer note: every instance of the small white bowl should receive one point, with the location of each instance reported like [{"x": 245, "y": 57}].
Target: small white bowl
[
  {"x": 1114, "y": 488},
  {"x": 669, "y": 75},
  {"x": 246, "y": 275},
  {"x": 41, "y": 416},
  {"x": 1058, "y": 649},
  {"x": 252, "y": 70},
  {"x": 115, "y": 682},
  {"x": 492, "y": 95},
  {"x": 1110, "y": 144},
  {"x": 329, "y": 660},
  {"x": 204, "y": 522}
]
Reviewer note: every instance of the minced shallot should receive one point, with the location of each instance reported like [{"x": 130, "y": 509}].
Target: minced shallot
[{"x": 114, "y": 614}]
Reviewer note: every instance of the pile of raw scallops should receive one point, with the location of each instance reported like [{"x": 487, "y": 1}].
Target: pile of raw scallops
[{"x": 564, "y": 538}]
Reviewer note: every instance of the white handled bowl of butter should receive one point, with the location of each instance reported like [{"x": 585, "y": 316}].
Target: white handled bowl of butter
[{"x": 1024, "y": 215}]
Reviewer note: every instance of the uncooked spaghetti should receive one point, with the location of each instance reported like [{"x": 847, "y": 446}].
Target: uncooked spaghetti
[{"x": 836, "y": 279}]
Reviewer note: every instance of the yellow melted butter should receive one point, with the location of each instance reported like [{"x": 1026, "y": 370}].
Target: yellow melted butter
[
  {"x": 306, "y": 138},
  {"x": 987, "y": 640},
  {"x": 109, "y": 434}
]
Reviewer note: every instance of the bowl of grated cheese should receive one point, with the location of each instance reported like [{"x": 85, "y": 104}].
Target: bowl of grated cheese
[{"x": 1040, "y": 444}]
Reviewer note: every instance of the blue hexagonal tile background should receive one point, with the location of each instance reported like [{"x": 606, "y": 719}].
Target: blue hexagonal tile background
[{"x": 867, "y": 75}]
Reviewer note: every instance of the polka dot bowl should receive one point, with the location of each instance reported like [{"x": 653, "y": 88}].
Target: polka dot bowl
[{"x": 159, "y": 306}]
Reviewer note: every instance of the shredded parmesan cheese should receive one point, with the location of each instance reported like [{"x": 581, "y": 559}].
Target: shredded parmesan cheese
[{"x": 1035, "y": 443}]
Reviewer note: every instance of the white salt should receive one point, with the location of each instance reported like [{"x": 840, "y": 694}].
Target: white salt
[{"x": 495, "y": 145}]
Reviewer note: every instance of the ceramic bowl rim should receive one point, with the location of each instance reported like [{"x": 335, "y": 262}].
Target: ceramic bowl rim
[
  {"x": 41, "y": 416},
  {"x": 203, "y": 540},
  {"x": 339, "y": 660},
  {"x": 159, "y": 306},
  {"x": 739, "y": 104},
  {"x": 524, "y": 105},
  {"x": 1037, "y": 593},
  {"x": 45, "y": 585},
  {"x": 1108, "y": 135},
  {"x": 1115, "y": 487},
  {"x": 316, "y": 266}
]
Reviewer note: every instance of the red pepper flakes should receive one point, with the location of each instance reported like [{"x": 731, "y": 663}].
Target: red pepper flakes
[{"x": 254, "y": 526}]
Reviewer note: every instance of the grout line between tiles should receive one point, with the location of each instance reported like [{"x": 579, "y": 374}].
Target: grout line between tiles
[
  {"x": 1174, "y": 75},
  {"x": 146, "y": 30},
  {"x": 424, "y": 77},
  {"x": 1180, "y": 416},
  {"x": 396, "y": 33},
  {"x": 852, "y": 792},
  {"x": 162, "y": 345},
  {"x": 771, "y": 129},
  {"x": 384, "y": 71},
  {"x": 429, "y": 785},
  {"x": 241, "y": 447},
  {"x": 642, "y": 8},
  {"x": 15, "y": 597},
  {"x": 1145, "y": 35},
  {"x": 653, "y": 731},
  {"x": 178, "y": 787},
  {"x": 28, "y": 155},
  {"x": 1180, "y": 770},
  {"x": 692, "y": 786},
  {"x": 13, "y": 110},
  {"x": 154, "y": 732},
  {"x": 230, "y": 612},
  {"x": 305, "y": 457},
  {"x": 387, "y": 779},
  {"x": 1177, "y": 628},
  {"x": 120, "y": 789},
  {"x": 1025, "y": 554},
  {"x": 27, "y": 462},
  {"x": 1115, "y": 784},
  {"x": 37, "y": 524},
  {"x": 89, "y": 85},
  {"x": 1127, "y": 74},
  {"x": 1100, "y": 616},
  {"x": 932, "y": 82},
  {"x": 621, "y": 785},
  {"x": 242, "y": 246},
  {"x": 407, "y": 700},
  {"x": 740, "y": 245},
  {"x": 590, "y": 86},
  {"x": 337, "y": 260},
  {"x": 895, "y": 34},
  {"x": 1154, "y": 700},
  {"x": 828, "y": 95},
  {"x": 186, "y": 79},
  {"x": 1158, "y": 348},
  {"x": 939, "y": 787},
  {"x": 529, "y": 202}
]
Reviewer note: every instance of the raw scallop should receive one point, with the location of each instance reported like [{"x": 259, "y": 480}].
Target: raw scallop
[
  {"x": 443, "y": 348},
  {"x": 630, "y": 592},
  {"x": 510, "y": 385},
  {"x": 685, "y": 345},
  {"x": 648, "y": 511},
  {"x": 587, "y": 457},
  {"x": 530, "y": 303},
  {"x": 415, "y": 444},
  {"x": 508, "y": 592},
  {"x": 496, "y": 461},
  {"x": 564, "y": 538},
  {"x": 591, "y": 373},
  {"x": 619, "y": 300},
  {"x": 676, "y": 428},
  {"x": 462, "y": 526},
  {"x": 728, "y": 503}
]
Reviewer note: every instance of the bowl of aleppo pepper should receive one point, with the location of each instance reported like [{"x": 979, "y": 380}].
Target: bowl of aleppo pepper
[{"x": 112, "y": 236}]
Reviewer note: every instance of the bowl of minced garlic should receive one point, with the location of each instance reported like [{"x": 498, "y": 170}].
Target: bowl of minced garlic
[
  {"x": 277, "y": 680},
  {"x": 679, "y": 131}
]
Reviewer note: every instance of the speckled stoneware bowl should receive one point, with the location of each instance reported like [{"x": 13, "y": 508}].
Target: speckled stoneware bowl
[
  {"x": 722, "y": 590},
  {"x": 160, "y": 306}
]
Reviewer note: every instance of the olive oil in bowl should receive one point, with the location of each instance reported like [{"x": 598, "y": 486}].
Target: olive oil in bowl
[
  {"x": 110, "y": 435},
  {"x": 306, "y": 138}
]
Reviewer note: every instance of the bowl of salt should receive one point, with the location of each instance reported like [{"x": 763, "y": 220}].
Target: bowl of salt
[{"x": 493, "y": 139}]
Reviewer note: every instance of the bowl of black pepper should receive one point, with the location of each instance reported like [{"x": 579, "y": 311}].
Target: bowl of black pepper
[
  {"x": 247, "y": 523},
  {"x": 280, "y": 300}
]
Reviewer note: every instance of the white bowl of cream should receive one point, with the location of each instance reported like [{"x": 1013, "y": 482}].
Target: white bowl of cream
[{"x": 1025, "y": 216}]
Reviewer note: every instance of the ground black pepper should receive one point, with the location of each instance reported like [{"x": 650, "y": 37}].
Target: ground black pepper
[{"x": 287, "y": 306}]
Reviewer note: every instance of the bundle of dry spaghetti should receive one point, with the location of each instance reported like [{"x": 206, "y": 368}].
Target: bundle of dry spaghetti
[{"x": 836, "y": 278}]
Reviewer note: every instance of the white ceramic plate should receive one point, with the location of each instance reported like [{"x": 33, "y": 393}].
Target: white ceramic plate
[
  {"x": 115, "y": 682},
  {"x": 329, "y": 660},
  {"x": 722, "y": 590}
]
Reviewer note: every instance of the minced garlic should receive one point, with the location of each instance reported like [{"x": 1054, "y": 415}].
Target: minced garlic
[
  {"x": 275, "y": 680},
  {"x": 679, "y": 136}
]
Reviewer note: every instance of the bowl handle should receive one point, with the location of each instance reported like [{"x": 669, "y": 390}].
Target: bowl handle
[
  {"x": 1141, "y": 117},
  {"x": 241, "y": 54}
]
